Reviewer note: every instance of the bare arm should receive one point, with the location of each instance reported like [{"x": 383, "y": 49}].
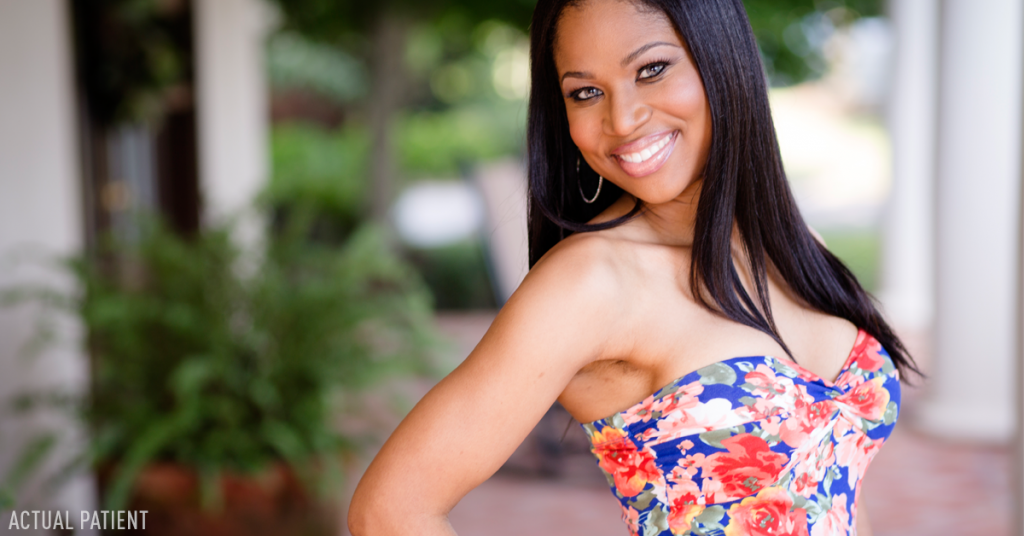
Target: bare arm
[
  {"x": 863, "y": 525},
  {"x": 471, "y": 422}
]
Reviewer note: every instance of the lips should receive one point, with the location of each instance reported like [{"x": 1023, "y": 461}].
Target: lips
[{"x": 646, "y": 155}]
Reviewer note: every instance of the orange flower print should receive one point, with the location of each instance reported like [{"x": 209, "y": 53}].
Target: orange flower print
[
  {"x": 631, "y": 469},
  {"x": 683, "y": 507},
  {"x": 867, "y": 400},
  {"x": 748, "y": 466},
  {"x": 632, "y": 520},
  {"x": 769, "y": 513},
  {"x": 684, "y": 498}
]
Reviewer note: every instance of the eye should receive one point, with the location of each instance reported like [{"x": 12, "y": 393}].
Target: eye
[
  {"x": 585, "y": 93},
  {"x": 651, "y": 70}
]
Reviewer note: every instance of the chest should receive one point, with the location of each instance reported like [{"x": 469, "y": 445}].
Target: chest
[{"x": 670, "y": 334}]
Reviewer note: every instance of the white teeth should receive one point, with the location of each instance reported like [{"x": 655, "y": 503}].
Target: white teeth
[{"x": 643, "y": 155}]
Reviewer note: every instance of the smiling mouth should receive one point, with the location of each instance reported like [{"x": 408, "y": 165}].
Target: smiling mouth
[
  {"x": 646, "y": 154},
  {"x": 645, "y": 161}
]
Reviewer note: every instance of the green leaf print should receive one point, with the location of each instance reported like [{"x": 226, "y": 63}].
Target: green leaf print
[
  {"x": 618, "y": 422},
  {"x": 816, "y": 507},
  {"x": 828, "y": 481},
  {"x": 657, "y": 521},
  {"x": 717, "y": 373},
  {"x": 782, "y": 368},
  {"x": 889, "y": 416},
  {"x": 642, "y": 501},
  {"x": 715, "y": 437},
  {"x": 711, "y": 515}
]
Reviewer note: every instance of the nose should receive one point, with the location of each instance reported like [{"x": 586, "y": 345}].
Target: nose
[{"x": 626, "y": 113}]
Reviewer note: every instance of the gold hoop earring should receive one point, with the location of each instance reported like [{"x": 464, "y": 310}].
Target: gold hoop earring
[{"x": 579, "y": 184}]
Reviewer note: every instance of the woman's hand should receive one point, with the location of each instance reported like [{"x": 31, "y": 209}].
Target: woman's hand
[{"x": 463, "y": 430}]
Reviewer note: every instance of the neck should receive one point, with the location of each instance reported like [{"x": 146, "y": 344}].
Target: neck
[{"x": 670, "y": 223}]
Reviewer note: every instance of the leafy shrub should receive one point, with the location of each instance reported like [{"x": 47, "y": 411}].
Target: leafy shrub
[{"x": 222, "y": 362}]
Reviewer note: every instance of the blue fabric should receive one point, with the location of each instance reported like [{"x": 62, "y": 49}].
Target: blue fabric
[{"x": 752, "y": 446}]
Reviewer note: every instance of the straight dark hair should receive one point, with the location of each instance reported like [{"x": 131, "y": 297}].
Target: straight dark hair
[{"x": 744, "y": 183}]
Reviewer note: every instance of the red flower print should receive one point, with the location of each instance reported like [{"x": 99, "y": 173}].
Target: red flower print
[
  {"x": 766, "y": 383},
  {"x": 804, "y": 485},
  {"x": 867, "y": 350},
  {"x": 748, "y": 466},
  {"x": 683, "y": 507},
  {"x": 770, "y": 513},
  {"x": 684, "y": 499},
  {"x": 806, "y": 418},
  {"x": 867, "y": 400},
  {"x": 631, "y": 469},
  {"x": 855, "y": 451},
  {"x": 683, "y": 398}
]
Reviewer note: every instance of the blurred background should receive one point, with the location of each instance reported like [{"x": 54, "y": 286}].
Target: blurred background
[{"x": 240, "y": 238}]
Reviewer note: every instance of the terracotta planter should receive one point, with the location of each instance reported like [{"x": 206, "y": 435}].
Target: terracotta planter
[{"x": 270, "y": 503}]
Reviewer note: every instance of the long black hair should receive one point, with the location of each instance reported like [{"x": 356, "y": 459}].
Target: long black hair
[{"x": 744, "y": 183}]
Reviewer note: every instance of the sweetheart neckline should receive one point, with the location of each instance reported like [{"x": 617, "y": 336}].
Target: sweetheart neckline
[{"x": 792, "y": 364}]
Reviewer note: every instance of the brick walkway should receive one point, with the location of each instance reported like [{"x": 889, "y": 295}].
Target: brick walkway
[{"x": 917, "y": 485}]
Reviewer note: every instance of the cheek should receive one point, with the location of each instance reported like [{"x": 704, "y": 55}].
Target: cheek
[
  {"x": 686, "y": 101},
  {"x": 585, "y": 130}
]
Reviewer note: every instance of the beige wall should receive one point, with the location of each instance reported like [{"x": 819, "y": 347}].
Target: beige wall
[
  {"x": 39, "y": 199},
  {"x": 977, "y": 215},
  {"x": 232, "y": 103}
]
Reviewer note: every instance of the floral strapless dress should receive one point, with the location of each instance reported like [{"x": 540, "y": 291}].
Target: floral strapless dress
[{"x": 751, "y": 446}]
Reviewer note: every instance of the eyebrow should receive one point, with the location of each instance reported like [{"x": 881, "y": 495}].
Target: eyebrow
[
  {"x": 625, "y": 61},
  {"x": 636, "y": 53}
]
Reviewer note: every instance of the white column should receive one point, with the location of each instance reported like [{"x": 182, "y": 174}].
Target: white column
[
  {"x": 40, "y": 209},
  {"x": 503, "y": 185},
  {"x": 908, "y": 274},
  {"x": 971, "y": 392},
  {"x": 232, "y": 103}
]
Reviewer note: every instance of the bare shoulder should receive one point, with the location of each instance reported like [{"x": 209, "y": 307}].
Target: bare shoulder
[
  {"x": 569, "y": 294},
  {"x": 589, "y": 268}
]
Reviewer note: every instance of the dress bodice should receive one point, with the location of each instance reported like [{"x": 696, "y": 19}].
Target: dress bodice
[{"x": 752, "y": 446}]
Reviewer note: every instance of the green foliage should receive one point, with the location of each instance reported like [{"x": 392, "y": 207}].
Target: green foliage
[
  {"x": 293, "y": 61},
  {"x": 445, "y": 143},
  {"x": 780, "y": 25},
  {"x": 782, "y": 28},
  {"x": 318, "y": 176},
  {"x": 860, "y": 250},
  {"x": 349, "y": 21},
  {"x": 325, "y": 171},
  {"x": 221, "y": 362},
  {"x": 457, "y": 274},
  {"x": 130, "y": 53}
]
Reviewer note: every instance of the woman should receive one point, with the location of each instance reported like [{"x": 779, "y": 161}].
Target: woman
[{"x": 663, "y": 241}]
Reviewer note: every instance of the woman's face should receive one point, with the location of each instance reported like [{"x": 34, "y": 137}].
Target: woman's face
[{"x": 635, "y": 101}]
